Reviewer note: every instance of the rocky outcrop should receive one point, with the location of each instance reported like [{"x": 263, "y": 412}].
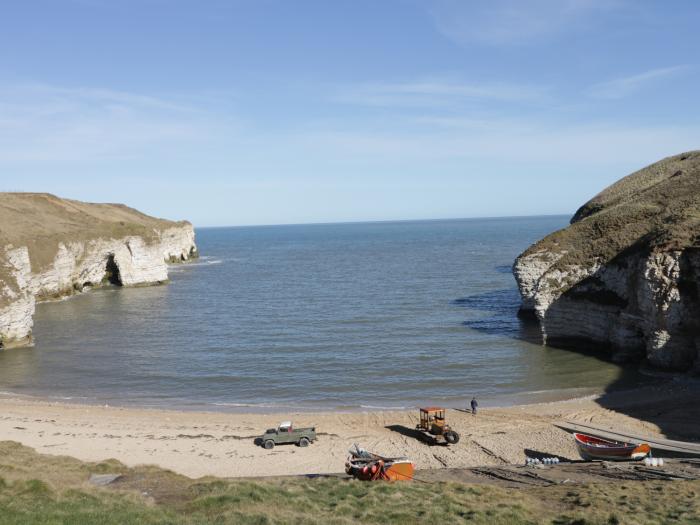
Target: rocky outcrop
[
  {"x": 624, "y": 277},
  {"x": 52, "y": 248}
]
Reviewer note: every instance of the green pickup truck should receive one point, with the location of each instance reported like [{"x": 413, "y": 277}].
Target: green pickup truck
[{"x": 286, "y": 433}]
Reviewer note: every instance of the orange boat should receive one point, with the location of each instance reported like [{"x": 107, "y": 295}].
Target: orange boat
[
  {"x": 367, "y": 466},
  {"x": 591, "y": 447}
]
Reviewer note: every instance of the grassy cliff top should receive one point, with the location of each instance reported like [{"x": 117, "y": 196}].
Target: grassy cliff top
[
  {"x": 41, "y": 489},
  {"x": 655, "y": 208},
  {"x": 41, "y": 220}
]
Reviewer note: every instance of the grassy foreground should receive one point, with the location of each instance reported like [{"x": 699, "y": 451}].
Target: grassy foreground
[{"x": 38, "y": 489}]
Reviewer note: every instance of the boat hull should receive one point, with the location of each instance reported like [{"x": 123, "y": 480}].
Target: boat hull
[
  {"x": 592, "y": 448},
  {"x": 376, "y": 471}
]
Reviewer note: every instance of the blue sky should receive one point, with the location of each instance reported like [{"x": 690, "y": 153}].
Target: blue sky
[{"x": 265, "y": 112}]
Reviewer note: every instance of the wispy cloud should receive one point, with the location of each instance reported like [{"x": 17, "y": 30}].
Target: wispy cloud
[
  {"x": 440, "y": 140},
  {"x": 431, "y": 93},
  {"x": 499, "y": 22},
  {"x": 101, "y": 95},
  {"x": 621, "y": 87},
  {"x": 41, "y": 122}
]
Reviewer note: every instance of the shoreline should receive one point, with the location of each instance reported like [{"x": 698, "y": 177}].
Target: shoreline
[
  {"x": 196, "y": 443},
  {"x": 500, "y": 401}
]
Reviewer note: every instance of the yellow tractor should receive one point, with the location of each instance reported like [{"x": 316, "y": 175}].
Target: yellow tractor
[{"x": 433, "y": 426}]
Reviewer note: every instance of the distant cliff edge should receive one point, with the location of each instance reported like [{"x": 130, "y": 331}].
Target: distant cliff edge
[
  {"x": 625, "y": 275},
  {"x": 51, "y": 248}
]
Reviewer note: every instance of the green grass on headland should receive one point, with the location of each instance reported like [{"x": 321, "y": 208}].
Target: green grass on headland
[
  {"x": 654, "y": 209},
  {"x": 37, "y": 489}
]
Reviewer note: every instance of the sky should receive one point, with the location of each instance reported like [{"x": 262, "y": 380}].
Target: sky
[{"x": 240, "y": 112}]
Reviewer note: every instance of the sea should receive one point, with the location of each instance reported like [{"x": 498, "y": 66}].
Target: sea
[{"x": 353, "y": 316}]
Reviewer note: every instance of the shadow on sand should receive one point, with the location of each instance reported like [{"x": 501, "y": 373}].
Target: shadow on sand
[
  {"x": 412, "y": 433},
  {"x": 536, "y": 454}
]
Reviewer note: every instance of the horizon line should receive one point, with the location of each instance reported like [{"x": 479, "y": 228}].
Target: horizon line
[{"x": 381, "y": 221}]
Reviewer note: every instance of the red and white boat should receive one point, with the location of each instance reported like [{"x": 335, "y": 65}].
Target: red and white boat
[{"x": 591, "y": 447}]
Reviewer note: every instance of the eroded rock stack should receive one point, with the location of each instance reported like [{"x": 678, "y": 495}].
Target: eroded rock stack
[
  {"x": 625, "y": 275},
  {"x": 51, "y": 248}
]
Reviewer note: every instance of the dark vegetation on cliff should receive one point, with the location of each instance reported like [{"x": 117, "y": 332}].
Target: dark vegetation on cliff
[{"x": 656, "y": 208}]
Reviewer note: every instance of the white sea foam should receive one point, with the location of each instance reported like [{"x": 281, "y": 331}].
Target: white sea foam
[
  {"x": 254, "y": 405},
  {"x": 202, "y": 263},
  {"x": 380, "y": 407}
]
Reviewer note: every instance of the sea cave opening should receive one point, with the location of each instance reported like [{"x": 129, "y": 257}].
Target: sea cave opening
[{"x": 112, "y": 275}]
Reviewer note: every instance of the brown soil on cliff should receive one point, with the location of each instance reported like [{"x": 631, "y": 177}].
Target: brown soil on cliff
[
  {"x": 656, "y": 208},
  {"x": 41, "y": 221}
]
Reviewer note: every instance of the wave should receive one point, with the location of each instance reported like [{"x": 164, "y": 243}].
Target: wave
[
  {"x": 7, "y": 393},
  {"x": 254, "y": 405},
  {"x": 206, "y": 263},
  {"x": 542, "y": 397},
  {"x": 177, "y": 268},
  {"x": 380, "y": 407}
]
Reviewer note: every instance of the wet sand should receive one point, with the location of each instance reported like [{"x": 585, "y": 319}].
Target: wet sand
[{"x": 201, "y": 443}]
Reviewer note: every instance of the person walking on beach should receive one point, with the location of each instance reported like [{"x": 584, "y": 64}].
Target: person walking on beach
[{"x": 474, "y": 405}]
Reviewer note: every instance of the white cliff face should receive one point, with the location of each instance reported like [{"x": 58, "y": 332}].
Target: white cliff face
[
  {"x": 177, "y": 244},
  {"x": 129, "y": 261},
  {"x": 634, "y": 307},
  {"x": 17, "y": 309},
  {"x": 624, "y": 276},
  {"x": 528, "y": 271},
  {"x": 666, "y": 313}
]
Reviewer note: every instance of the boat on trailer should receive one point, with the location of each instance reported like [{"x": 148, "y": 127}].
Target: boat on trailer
[
  {"x": 366, "y": 466},
  {"x": 591, "y": 447}
]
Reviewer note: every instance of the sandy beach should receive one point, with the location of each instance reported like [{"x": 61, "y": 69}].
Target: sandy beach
[{"x": 200, "y": 443}]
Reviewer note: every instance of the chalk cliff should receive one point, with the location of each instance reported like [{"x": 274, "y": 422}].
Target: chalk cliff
[
  {"x": 625, "y": 275},
  {"x": 51, "y": 248}
]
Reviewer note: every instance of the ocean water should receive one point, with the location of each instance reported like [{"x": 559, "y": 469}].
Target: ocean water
[{"x": 333, "y": 316}]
